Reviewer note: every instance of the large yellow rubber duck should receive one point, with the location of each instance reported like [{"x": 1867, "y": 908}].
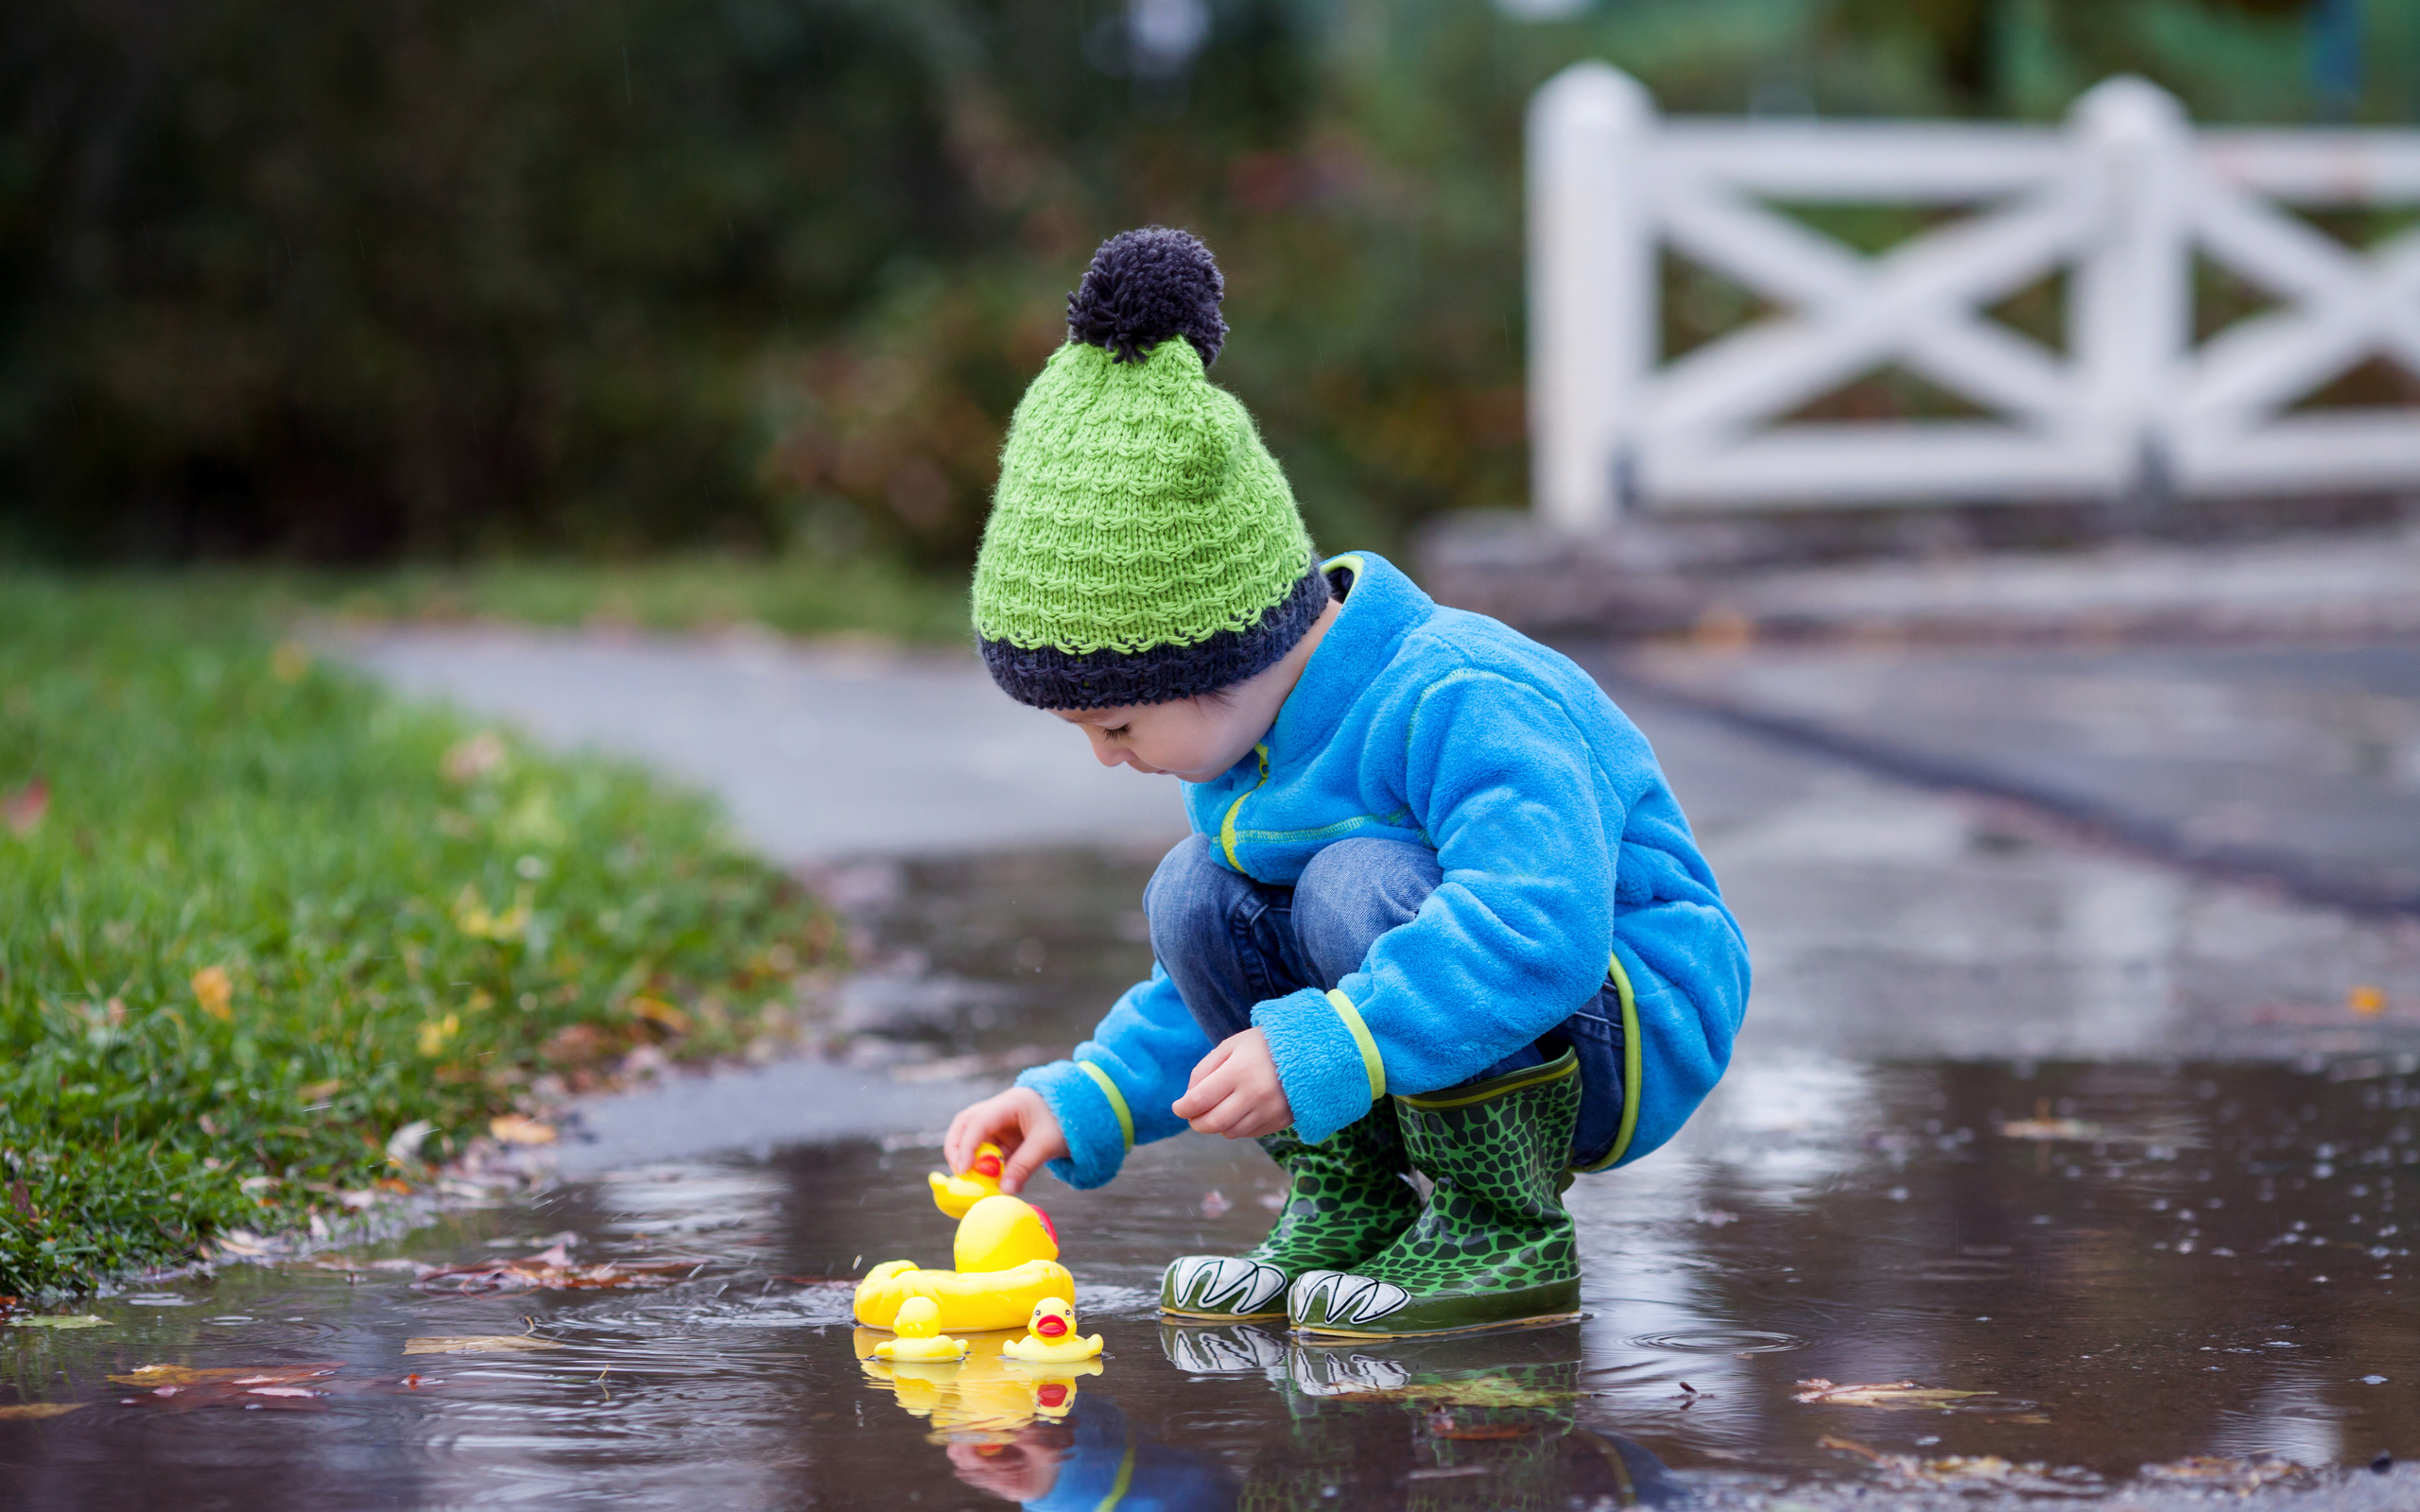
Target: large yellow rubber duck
[
  {"x": 1007, "y": 1260},
  {"x": 954, "y": 1194},
  {"x": 916, "y": 1330},
  {"x": 1051, "y": 1336}
]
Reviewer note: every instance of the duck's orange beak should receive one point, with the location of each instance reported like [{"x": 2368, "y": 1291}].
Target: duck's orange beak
[
  {"x": 1052, "y": 1326},
  {"x": 988, "y": 1165},
  {"x": 1051, "y": 1394}
]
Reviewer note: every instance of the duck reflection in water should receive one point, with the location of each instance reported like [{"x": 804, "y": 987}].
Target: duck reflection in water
[{"x": 1094, "y": 1459}]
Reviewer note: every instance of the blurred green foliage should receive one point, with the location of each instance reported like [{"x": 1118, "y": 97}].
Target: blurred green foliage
[
  {"x": 256, "y": 916},
  {"x": 434, "y": 279}
]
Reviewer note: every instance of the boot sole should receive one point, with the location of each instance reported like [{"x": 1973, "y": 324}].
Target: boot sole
[
  {"x": 1310, "y": 1332},
  {"x": 1222, "y": 1317}
]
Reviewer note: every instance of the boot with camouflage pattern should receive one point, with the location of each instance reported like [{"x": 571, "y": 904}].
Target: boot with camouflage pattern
[
  {"x": 1347, "y": 1198},
  {"x": 1494, "y": 1246}
]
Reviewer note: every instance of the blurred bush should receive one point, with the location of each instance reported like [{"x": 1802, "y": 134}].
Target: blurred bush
[{"x": 433, "y": 279}]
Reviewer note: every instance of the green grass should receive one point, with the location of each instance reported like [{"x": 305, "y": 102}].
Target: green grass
[
  {"x": 794, "y": 596},
  {"x": 411, "y": 921}
]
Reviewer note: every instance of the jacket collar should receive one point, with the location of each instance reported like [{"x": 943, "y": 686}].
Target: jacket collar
[{"x": 1383, "y": 607}]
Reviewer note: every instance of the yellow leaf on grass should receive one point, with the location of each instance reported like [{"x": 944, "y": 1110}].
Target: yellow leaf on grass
[
  {"x": 58, "y": 1320},
  {"x": 2367, "y": 1000},
  {"x": 213, "y": 991},
  {"x": 38, "y": 1409},
  {"x": 657, "y": 1011},
  {"x": 478, "y": 1344},
  {"x": 512, "y": 1129}
]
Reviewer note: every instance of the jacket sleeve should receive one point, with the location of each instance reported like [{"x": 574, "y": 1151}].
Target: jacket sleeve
[
  {"x": 1517, "y": 935},
  {"x": 1116, "y": 1090}
]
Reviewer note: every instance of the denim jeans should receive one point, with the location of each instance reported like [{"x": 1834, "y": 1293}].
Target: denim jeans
[{"x": 1230, "y": 943}]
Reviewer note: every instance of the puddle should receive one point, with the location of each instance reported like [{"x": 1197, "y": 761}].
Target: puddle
[{"x": 2125, "y": 1264}]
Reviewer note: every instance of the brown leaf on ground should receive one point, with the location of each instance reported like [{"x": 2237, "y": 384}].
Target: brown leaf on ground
[
  {"x": 2243, "y": 1475},
  {"x": 1891, "y": 1393},
  {"x": 552, "y": 1270},
  {"x": 23, "y": 1411},
  {"x": 513, "y": 1128},
  {"x": 2050, "y": 1130},
  {"x": 478, "y": 1344},
  {"x": 183, "y": 1375},
  {"x": 23, "y": 809},
  {"x": 1967, "y": 1472}
]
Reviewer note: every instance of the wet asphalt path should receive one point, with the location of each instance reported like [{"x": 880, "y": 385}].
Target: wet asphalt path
[{"x": 2124, "y": 1149}]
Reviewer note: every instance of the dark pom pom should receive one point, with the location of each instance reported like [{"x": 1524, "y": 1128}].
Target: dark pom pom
[{"x": 1144, "y": 287}]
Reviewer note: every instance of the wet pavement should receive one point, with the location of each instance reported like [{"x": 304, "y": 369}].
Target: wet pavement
[
  {"x": 2044, "y": 1173},
  {"x": 2129, "y": 1262}
]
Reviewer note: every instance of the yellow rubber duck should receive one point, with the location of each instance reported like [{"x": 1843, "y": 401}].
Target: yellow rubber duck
[
  {"x": 916, "y": 1334},
  {"x": 954, "y": 1194},
  {"x": 1007, "y": 1260},
  {"x": 1051, "y": 1336}
]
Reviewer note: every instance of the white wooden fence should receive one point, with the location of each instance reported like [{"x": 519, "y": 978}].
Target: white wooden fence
[{"x": 2123, "y": 196}]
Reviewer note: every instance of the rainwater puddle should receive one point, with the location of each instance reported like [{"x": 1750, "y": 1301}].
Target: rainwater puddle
[{"x": 2118, "y": 1266}]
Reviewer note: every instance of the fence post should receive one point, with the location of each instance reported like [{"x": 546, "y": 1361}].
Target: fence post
[
  {"x": 1593, "y": 331},
  {"x": 2130, "y": 320}
]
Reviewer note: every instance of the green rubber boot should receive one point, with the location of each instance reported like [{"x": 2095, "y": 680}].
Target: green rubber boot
[
  {"x": 1494, "y": 1246},
  {"x": 1346, "y": 1200}
]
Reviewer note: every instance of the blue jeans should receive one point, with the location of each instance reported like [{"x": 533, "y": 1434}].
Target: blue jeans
[{"x": 1230, "y": 943}]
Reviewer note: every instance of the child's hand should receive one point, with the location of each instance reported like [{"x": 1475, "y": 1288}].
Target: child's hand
[
  {"x": 1020, "y": 1123},
  {"x": 1236, "y": 1092}
]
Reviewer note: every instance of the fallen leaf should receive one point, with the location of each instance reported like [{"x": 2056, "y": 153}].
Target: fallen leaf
[
  {"x": 1968, "y": 1471},
  {"x": 478, "y": 1344},
  {"x": 2218, "y": 1470},
  {"x": 658, "y": 1012},
  {"x": 404, "y": 1145},
  {"x": 183, "y": 1375},
  {"x": 552, "y": 1270},
  {"x": 513, "y": 1128},
  {"x": 243, "y": 1244},
  {"x": 2366, "y": 1000},
  {"x": 2050, "y": 1128},
  {"x": 213, "y": 991},
  {"x": 289, "y": 661},
  {"x": 23, "y": 809},
  {"x": 1215, "y": 1204},
  {"x": 1895, "y": 1393},
  {"x": 58, "y": 1320},
  {"x": 38, "y": 1409}
]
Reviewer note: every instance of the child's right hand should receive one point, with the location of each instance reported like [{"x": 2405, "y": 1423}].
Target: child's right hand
[{"x": 1020, "y": 1123}]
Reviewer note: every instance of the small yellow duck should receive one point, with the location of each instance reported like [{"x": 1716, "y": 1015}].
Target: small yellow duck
[
  {"x": 954, "y": 1194},
  {"x": 1051, "y": 1336},
  {"x": 916, "y": 1334}
]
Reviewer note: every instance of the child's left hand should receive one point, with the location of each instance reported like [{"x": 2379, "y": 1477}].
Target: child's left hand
[{"x": 1235, "y": 1090}]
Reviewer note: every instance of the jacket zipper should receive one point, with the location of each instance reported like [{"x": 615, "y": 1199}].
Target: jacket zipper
[{"x": 1227, "y": 825}]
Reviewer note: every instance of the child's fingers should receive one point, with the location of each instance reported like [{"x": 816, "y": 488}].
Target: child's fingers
[
  {"x": 1216, "y": 1057},
  {"x": 1210, "y": 1088},
  {"x": 1029, "y": 1157}
]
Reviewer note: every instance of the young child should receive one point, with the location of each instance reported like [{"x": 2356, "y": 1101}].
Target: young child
[{"x": 1440, "y": 911}]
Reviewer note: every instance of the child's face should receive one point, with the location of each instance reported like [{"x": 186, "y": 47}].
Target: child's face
[
  {"x": 1199, "y": 738},
  {"x": 1195, "y": 739}
]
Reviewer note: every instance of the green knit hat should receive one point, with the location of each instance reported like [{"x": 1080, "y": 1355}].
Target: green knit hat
[{"x": 1143, "y": 545}]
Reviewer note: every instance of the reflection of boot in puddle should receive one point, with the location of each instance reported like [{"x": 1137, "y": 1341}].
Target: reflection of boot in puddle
[
  {"x": 1449, "y": 1423},
  {"x": 1239, "y": 1350},
  {"x": 1093, "y": 1460},
  {"x": 983, "y": 1397}
]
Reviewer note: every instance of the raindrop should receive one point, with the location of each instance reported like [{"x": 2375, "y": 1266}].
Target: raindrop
[{"x": 2374, "y": 1381}]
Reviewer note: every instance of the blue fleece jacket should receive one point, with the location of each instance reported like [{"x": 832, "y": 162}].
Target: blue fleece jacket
[{"x": 1566, "y": 860}]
